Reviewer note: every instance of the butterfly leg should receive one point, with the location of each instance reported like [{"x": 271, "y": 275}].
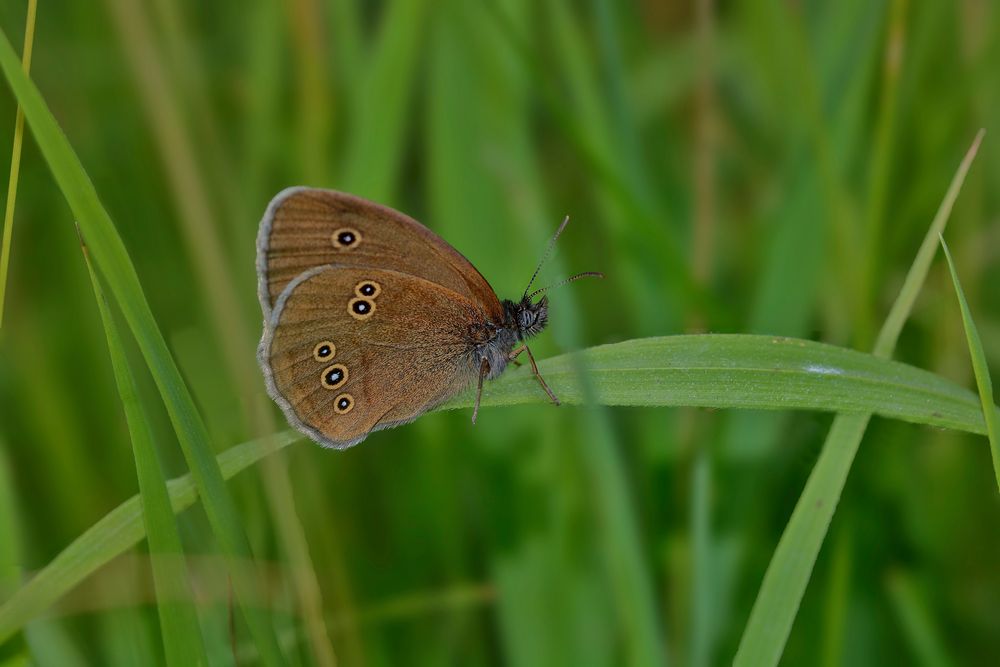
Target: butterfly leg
[
  {"x": 484, "y": 370},
  {"x": 534, "y": 369}
]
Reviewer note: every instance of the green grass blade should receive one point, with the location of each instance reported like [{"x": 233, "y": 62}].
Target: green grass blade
[
  {"x": 182, "y": 641},
  {"x": 708, "y": 371},
  {"x": 882, "y": 154},
  {"x": 348, "y": 36},
  {"x": 466, "y": 95},
  {"x": 117, "y": 531},
  {"x": 979, "y": 366},
  {"x": 15, "y": 162},
  {"x": 919, "y": 627},
  {"x": 790, "y": 568},
  {"x": 744, "y": 371},
  {"x": 887, "y": 337},
  {"x": 374, "y": 150},
  {"x": 315, "y": 107},
  {"x": 10, "y": 532},
  {"x": 112, "y": 258}
]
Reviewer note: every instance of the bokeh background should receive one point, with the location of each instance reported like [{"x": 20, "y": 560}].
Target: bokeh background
[{"x": 757, "y": 167}]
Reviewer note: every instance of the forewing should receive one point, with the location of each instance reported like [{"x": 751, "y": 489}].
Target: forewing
[
  {"x": 408, "y": 352},
  {"x": 300, "y": 231}
]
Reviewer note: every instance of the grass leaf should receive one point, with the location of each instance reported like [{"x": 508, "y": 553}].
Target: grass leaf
[
  {"x": 790, "y": 568},
  {"x": 182, "y": 640},
  {"x": 979, "y": 366},
  {"x": 375, "y": 150},
  {"x": 118, "y": 530},
  {"x": 112, "y": 259},
  {"x": 744, "y": 371},
  {"x": 15, "y": 162},
  {"x": 717, "y": 371}
]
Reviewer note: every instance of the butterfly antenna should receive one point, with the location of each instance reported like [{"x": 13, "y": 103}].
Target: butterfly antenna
[
  {"x": 585, "y": 274},
  {"x": 548, "y": 251}
]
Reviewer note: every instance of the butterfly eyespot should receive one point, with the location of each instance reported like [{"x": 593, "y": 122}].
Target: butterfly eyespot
[
  {"x": 334, "y": 377},
  {"x": 345, "y": 238},
  {"x": 360, "y": 309},
  {"x": 343, "y": 404},
  {"x": 368, "y": 288},
  {"x": 324, "y": 350}
]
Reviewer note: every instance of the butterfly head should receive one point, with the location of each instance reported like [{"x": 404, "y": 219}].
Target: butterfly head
[{"x": 527, "y": 318}]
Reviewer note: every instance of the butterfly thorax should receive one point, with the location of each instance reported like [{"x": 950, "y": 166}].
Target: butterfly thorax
[{"x": 495, "y": 342}]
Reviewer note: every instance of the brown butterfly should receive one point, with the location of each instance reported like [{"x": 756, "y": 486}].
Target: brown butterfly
[{"x": 371, "y": 319}]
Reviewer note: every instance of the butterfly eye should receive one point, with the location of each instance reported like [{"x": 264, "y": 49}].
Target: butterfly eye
[
  {"x": 343, "y": 404},
  {"x": 360, "y": 309},
  {"x": 345, "y": 238},
  {"x": 324, "y": 350},
  {"x": 368, "y": 288},
  {"x": 334, "y": 376}
]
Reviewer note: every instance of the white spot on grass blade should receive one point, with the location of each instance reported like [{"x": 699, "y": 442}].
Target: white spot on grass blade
[{"x": 823, "y": 370}]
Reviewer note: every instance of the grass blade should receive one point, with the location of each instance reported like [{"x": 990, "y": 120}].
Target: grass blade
[
  {"x": 10, "y": 530},
  {"x": 15, "y": 162},
  {"x": 112, "y": 258},
  {"x": 979, "y": 366},
  {"x": 887, "y": 337},
  {"x": 744, "y": 371},
  {"x": 182, "y": 641},
  {"x": 918, "y": 625},
  {"x": 315, "y": 107},
  {"x": 159, "y": 92},
  {"x": 790, "y": 568},
  {"x": 374, "y": 150},
  {"x": 118, "y": 530},
  {"x": 466, "y": 95},
  {"x": 701, "y": 371}
]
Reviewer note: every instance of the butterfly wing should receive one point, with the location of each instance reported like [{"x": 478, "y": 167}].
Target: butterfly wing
[
  {"x": 349, "y": 350},
  {"x": 306, "y": 227}
]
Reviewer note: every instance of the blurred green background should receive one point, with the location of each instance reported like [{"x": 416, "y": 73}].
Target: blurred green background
[{"x": 758, "y": 167}]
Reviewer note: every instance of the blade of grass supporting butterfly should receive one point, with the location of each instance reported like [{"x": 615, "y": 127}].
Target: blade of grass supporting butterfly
[
  {"x": 112, "y": 258},
  {"x": 15, "y": 162},
  {"x": 182, "y": 641},
  {"x": 744, "y": 371},
  {"x": 791, "y": 566},
  {"x": 647, "y": 372},
  {"x": 118, "y": 530},
  {"x": 979, "y": 366}
]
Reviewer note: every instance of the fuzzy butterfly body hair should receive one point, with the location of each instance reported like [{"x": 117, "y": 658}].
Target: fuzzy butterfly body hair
[{"x": 371, "y": 319}]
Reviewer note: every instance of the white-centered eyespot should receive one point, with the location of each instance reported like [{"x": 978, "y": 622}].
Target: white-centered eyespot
[
  {"x": 360, "y": 308},
  {"x": 368, "y": 289},
  {"x": 343, "y": 404},
  {"x": 324, "y": 350},
  {"x": 334, "y": 377},
  {"x": 345, "y": 238}
]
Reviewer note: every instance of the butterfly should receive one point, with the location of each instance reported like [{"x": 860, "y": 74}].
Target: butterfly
[{"x": 371, "y": 319}]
